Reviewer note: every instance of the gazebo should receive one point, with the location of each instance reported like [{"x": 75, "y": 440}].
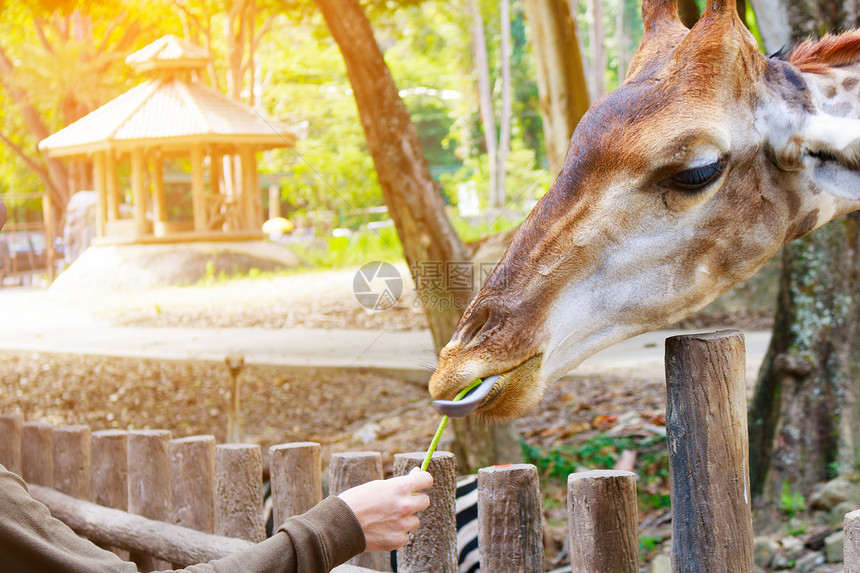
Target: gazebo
[{"x": 173, "y": 116}]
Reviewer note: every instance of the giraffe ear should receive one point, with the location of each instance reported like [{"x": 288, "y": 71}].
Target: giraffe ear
[{"x": 829, "y": 147}]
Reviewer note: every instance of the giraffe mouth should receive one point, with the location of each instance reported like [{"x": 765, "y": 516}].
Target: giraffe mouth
[{"x": 490, "y": 390}]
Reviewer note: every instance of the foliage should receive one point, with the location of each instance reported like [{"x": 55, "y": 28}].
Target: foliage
[
  {"x": 601, "y": 452},
  {"x": 791, "y": 503},
  {"x": 356, "y": 249}
]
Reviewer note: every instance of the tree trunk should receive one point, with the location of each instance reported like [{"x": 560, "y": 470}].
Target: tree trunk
[
  {"x": 620, "y": 41},
  {"x": 772, "y": 19},
  {"x": 560, "y": 74},
  {"x": 485, "y": 95},
  {"x": 598, "y": 51},
  {"x": 407, "y": 186},
  {"x": 498, "y": 193},
  {"x": 804, "y": 418},
  {"x": 415, "y": 206}
]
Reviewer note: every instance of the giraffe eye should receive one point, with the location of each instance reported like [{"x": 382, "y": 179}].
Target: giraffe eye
[{"x": 697, "y": 178}]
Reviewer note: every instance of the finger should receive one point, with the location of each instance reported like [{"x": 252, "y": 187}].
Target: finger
[
  {"x": 421, "y": 501},
  {"x": 411, "y": 523},
  {"x": 420, "y": 480}
]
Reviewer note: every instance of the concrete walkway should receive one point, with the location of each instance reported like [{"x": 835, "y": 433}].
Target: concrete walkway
[{"x": 33, "y": 322}]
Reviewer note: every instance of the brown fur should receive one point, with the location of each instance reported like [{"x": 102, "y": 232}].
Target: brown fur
[{"x": 828, "y": 52}]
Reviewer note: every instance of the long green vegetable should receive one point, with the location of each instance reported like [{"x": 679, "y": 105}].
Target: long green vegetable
[{"x": 444, "y": 423}]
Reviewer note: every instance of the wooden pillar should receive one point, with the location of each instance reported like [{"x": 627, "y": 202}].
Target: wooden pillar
[
  {"x": 296, "y": 479},
  {"x": 249, "y": 191},
  {"x": 149, "y": 492},
  {"x": 112, "y": 187},
  {"x": 10, "y": 441},
  {"x": 192, "y": 470},
  {"x": 159, "y": 199},
  {"x": 109, "y": 478},
  {"x": 37, "y": 457},
  {"x": 349, "y": 470},
  {"x": 215, "y": 191},
  {"x": 72, "y": 455},
  {"x": 138, "y": 191},
  {"x": 433, "y": 546},
  {"x": 510, "y": 532},
  {"x": 603, "y": 522},
  {"x": 100, "y": 182},
  {"x": 198, "y": 191},
  {"x": 706, "y": 430},
  {"x": 256, "y": 196},
  {"x": 274, "y": 201},
  {"x": 239, "y": 492},
  {"x": 49, "y": 223}
]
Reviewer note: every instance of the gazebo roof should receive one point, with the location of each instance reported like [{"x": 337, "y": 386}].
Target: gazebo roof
[
  {"x": 170, "y": 112},
  {"x": 168, "y": 52}
]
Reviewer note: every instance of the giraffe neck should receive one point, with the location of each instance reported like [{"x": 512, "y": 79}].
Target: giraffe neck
[{"x": 836, "y": 92}]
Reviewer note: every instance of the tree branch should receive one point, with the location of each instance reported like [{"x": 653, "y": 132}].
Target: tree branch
[{"x": 40, "y": 170}]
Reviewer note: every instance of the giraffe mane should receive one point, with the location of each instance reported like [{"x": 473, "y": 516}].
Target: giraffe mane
[{"x": 828, "y": 52}]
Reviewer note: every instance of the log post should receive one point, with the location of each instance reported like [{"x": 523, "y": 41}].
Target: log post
[
  {"x": 192, "y": 477},
  {"x": 109, "y": 463},
  {"x": 349, "y": 470},
  {"x": 433, "y": 546},
  {"x": 851, "y": 548},
  {"x": 106, "y": 525},
  {"x": 603, "y": 522},
  {"x": 37, "y": 458},
  {"x": 296, "y": 478},
  {"x": 239, "y": 492},
  {"x": 72, "y": 455},
  {"x": 706, "y": 429},
  {"x": 10, "y": 441},
  {"x": 149, "y": 484},
  {"x": 510, "y": 530}
]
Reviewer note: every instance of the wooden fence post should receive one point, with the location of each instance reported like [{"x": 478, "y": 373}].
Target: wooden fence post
[
  {"x": 349, "y": 470},
  {"x": 37, "y": 457},
  {"x": 149, "y": 484},
  {"x": 239, "y": 492},
  {"x": 706, "y": 429},
  {"x": 72, "y": 455},
  {"x": 603, "y": 522},
  {"x": 851, "y": 548},
  {"x": 510, "y": 529},
  {"x": 109, "y": 463},
  {"x": 10, "y": 441},
  {"x": 296, "y": 478},
  {"x": 192, "y": 478},
  {"x": 433, "y": 546}
]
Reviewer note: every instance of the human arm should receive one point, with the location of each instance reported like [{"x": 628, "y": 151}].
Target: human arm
[{"x": 386, "y": 508}]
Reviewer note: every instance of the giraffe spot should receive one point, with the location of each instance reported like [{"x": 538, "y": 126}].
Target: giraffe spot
[
  {"x": 830, "y": 91},
  {"x": 837, "y": 109},
  {"x": 802, "y": 227},
  {"x": 849, "y": 83}
]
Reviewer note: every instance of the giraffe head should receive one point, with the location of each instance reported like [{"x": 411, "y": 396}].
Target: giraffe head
[{"x": 676, "y": 186}]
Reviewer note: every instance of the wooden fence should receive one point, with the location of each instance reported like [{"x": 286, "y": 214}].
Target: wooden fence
[{"x": 182, "y": 501}]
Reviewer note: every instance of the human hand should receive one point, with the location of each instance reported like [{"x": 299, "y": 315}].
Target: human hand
[{"x": 386, "y": 508}]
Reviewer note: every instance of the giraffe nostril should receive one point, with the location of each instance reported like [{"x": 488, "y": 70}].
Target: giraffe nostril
[{"x": 472, "y": 324}]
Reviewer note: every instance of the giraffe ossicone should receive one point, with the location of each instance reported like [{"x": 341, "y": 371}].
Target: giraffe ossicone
[{"x": 679, "y": 184}]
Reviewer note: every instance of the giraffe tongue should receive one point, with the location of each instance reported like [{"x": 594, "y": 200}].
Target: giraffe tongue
[{"x": 469, "y": 403}]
